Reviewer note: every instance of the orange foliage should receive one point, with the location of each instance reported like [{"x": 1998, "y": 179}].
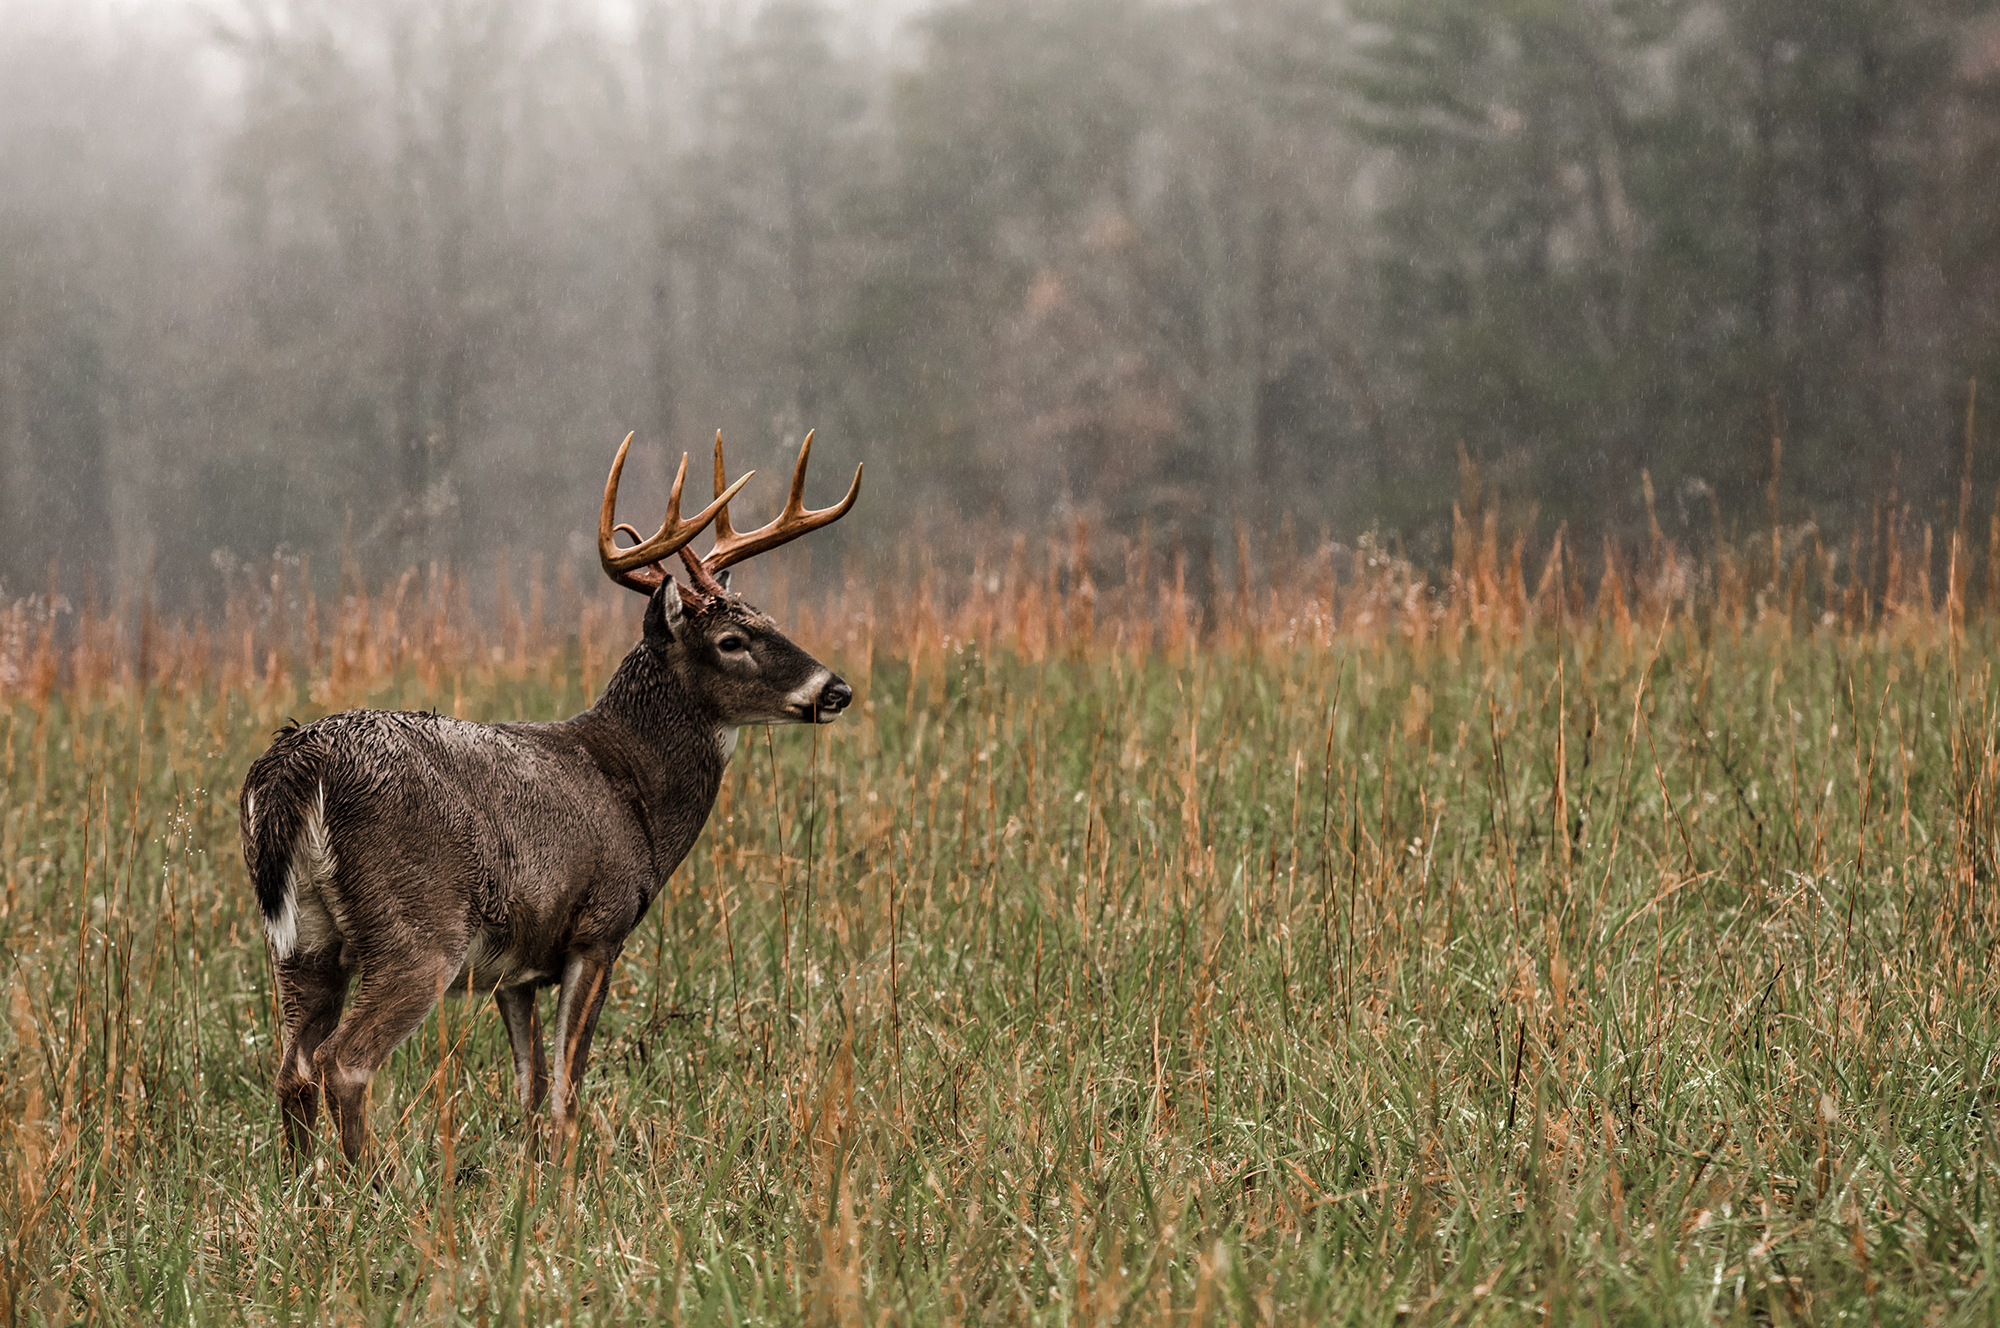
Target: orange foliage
[{"x": 1061, "y": 601}]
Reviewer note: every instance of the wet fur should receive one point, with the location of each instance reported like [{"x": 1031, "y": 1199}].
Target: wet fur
[{"x": 425, "y": 854}]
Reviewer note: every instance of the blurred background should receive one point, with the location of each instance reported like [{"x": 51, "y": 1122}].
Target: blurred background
[{"x": 385, "y": 281}]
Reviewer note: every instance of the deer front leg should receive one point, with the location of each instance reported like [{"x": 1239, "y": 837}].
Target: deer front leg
[
  {"x": 524, "y": 1035},
  {"x": 585, "y": 981}
]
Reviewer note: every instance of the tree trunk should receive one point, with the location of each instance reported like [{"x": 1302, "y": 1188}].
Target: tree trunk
[
  {"x": 1765, "y": 204},
  {"x": 1874, "y": 222},
  {"x": 1270, "y": 237},
  {"x": 656, "y": 75},
  {"x": 800, "y": 275}
]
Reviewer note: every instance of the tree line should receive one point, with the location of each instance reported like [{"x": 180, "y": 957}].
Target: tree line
[{"x": 388, "y": 279}]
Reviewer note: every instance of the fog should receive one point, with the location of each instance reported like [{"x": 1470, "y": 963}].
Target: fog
[{"x": 384, "y": 282}]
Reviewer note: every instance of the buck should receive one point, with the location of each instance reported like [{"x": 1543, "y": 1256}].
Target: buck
[{"x": 432, "y": 855}]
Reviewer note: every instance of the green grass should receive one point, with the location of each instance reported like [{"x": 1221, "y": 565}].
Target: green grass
[{"x": 1583, "y": 984}]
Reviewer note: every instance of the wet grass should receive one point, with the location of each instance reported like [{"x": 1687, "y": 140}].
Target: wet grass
[{"x": 1602, "y": 980}]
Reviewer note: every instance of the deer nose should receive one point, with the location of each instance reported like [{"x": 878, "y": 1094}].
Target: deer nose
[{"x": 833, "y": 698}]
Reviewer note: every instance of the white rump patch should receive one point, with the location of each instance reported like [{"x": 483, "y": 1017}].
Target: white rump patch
[{"x": 311, "y": 869}]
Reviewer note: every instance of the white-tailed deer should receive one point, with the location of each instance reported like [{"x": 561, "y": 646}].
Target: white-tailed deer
[{"x": 432, "y": 855}]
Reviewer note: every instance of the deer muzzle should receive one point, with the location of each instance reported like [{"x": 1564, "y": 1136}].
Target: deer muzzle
[{"x": 832, "y": 699}]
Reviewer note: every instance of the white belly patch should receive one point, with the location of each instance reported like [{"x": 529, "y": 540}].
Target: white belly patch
[{"x": 489, "y": 966}]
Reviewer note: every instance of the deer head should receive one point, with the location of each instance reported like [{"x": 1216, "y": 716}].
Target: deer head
[{"x": 726, "y": 651}]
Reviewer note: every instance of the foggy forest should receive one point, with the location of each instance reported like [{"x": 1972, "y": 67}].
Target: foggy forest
[{"x": 387, "y": 281}]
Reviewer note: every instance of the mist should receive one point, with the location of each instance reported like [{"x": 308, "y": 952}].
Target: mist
[{"x": 383, "y": 284}]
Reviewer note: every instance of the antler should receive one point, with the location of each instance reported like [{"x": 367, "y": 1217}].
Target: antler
[
  {"x": 732, "y": 547},
  {"x": 637, "y": 568}
]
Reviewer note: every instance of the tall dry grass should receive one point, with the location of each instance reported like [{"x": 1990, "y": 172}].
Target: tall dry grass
[
  {"x": 1301, "y": 939},
  {"x": 1896, "y": 578}
]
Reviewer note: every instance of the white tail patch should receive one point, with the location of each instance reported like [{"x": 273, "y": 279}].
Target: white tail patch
[
  {"x": 310, "y": 869},
  {"x": 284, "y": 929}
]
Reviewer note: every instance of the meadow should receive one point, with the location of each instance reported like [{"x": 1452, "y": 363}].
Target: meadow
[{"x": 1606, "y": 947}]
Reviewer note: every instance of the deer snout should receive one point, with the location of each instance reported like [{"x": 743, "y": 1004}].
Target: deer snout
[{"x": 833, "y": 699}]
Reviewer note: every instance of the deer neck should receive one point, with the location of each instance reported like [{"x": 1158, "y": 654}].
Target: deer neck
[{"x": 652, "y": 733}]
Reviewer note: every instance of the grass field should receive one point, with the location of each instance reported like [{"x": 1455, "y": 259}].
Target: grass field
[{"x": 1609, "y": 975}]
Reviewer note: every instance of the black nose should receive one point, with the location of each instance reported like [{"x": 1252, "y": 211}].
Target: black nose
[{"x": 833, "y": 698}]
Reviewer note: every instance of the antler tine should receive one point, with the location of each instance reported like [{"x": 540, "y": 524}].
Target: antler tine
[
  {"x": 732, "y": 547},
  {"x": 724, "y": 532},
  {"x": 635, "y": 568},
  {"x": 623, "y": 559}
]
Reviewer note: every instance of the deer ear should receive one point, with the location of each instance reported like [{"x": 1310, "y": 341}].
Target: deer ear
[
  {"x": 722, "y": 578},
  {"x": 663, "y": 613}
]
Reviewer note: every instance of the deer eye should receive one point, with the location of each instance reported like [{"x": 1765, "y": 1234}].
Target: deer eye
[{"x": 731, "y": 644}]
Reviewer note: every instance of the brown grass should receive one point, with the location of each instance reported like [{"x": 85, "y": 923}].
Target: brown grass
[{"x": 1897, "y": 580}]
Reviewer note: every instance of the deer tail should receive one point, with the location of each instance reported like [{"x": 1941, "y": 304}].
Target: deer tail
[{"x": 285, "y": 841}]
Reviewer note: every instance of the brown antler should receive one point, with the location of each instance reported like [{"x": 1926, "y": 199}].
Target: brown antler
[
  {"x": 637, "y": 568},
  {"x": 732, "y": 547}
]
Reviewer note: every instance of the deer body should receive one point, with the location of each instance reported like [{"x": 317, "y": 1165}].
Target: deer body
[{"x": 427, "y": 855}]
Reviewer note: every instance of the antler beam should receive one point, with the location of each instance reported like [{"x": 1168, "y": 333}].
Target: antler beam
[
  {"x": 732, "y": 547},
  {"x": 636, "y": 568}
]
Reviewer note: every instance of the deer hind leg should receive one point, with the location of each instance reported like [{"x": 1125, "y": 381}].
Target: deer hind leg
[
  {"x": 585, "y": 981},
  {"x": 524, "y": 1035},
  {"x": 387, "y": 1009},
  {"x": 312, "y": 989}
]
